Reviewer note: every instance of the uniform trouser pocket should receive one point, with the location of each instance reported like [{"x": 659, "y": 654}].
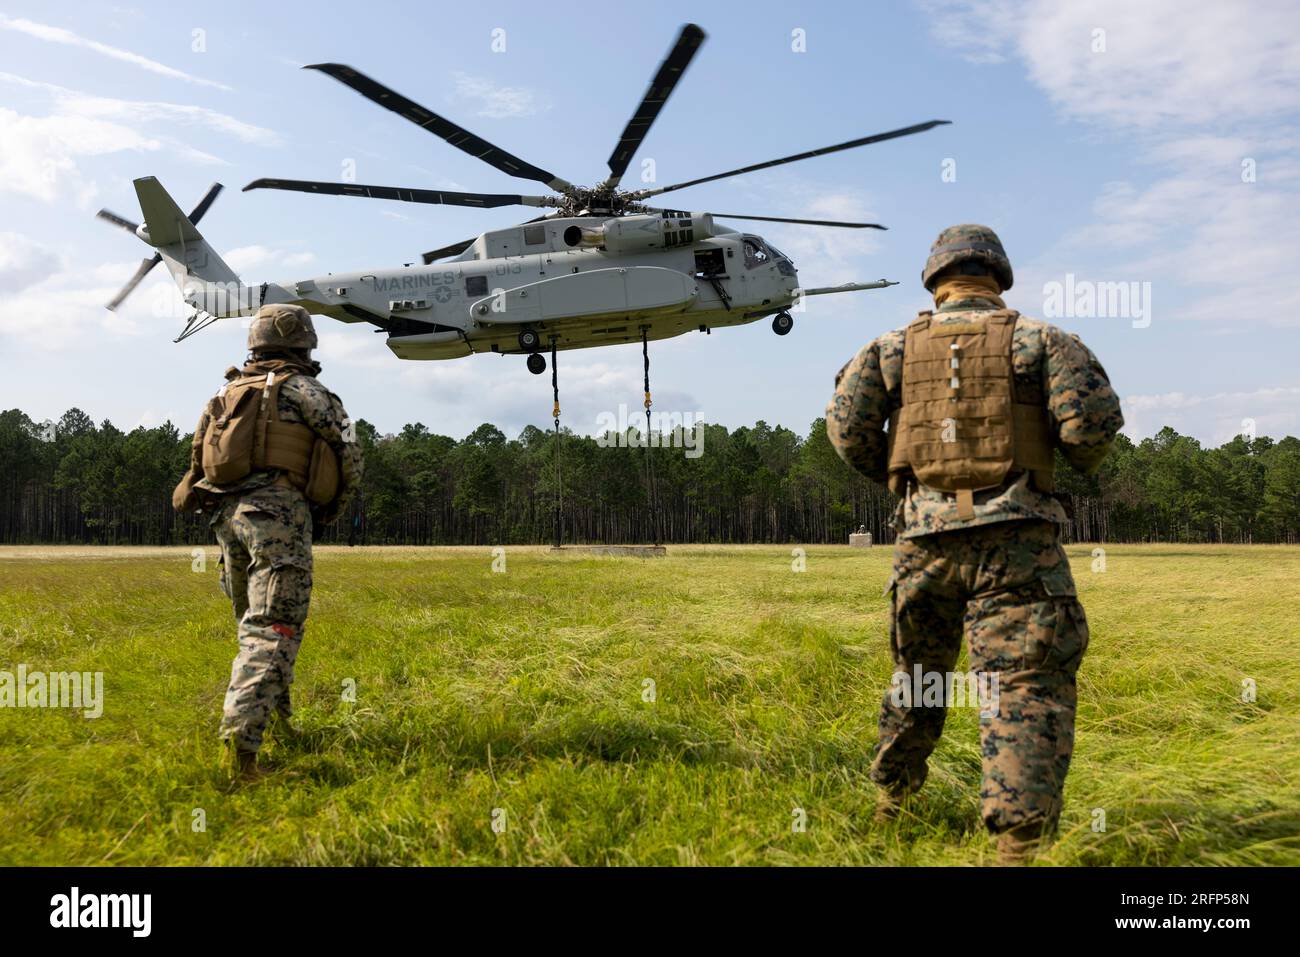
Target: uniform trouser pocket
[
  {"x": 288, "y": 594},
  {"x": 924, "y": 639},
  {"x": 1030, "y": 644}
]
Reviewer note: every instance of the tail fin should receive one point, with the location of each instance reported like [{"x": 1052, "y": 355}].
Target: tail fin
[
  {"x": 178, "y": 241},
  {"x": 204, "y": 278}
]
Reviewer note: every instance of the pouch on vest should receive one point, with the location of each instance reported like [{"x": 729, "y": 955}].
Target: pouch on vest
[
  {"x": 323, "y": 476},
  {"x": 960, "y": 427}
]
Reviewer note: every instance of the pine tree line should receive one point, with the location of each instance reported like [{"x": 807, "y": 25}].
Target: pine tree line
[{"x": 75, "y": 482}]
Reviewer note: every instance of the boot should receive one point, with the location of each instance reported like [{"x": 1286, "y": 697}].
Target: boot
[
  {"x": 890, "y": 803},
  {"x": 1018, "y": 845},
  {"x": 247, "y": 770}
]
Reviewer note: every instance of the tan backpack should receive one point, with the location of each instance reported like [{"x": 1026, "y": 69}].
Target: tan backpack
[{"x": 245, "y": 434}]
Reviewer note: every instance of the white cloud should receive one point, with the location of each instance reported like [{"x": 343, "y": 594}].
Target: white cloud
[
  {"x": 23, "y": 261},
  {"x": 41, "y": 154},
  {"x": 64, "y": 306},
  {"x": 248, "y": 258},
  {"x": 1214, "y": 418},
  {"x": 80, "y": 103},
  {"x": 979, "y": 31},
  {"x": 51, "y": 34},
  {"x": 499, "y": 102},
  {"x": 1205, "y": 99},
  {"x": 1164, "y": 62}
]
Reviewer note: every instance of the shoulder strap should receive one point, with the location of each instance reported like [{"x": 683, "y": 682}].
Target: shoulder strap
[{"x": 268, "y": 410}]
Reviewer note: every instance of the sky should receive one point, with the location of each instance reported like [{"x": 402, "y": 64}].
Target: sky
[{"x": 1152, "y": 144}]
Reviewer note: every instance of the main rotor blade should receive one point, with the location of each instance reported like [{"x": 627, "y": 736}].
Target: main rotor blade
[
  {"x": 457, "y": 136},
  {"x": 145, "y": 266},
  {"x": 213, "y": 192},
  {"x": 431, "y": 196},
  {"x": 802, "y": 222},
  {"x": 851, "y": 144},
  {"x": 661, "y": 87},
  {"x": 111, "y": 217}
]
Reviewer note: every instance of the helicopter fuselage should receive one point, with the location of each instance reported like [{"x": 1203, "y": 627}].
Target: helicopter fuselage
[{"x": 574, "y": 282}]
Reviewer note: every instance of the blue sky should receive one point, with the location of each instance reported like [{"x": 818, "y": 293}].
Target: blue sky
[{"x": 1114, "y": 156}]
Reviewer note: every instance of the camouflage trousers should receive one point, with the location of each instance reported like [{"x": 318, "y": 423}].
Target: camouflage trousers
[
  {"x": 265, "y": 538},
  {"x": 1008, "y": 587}
]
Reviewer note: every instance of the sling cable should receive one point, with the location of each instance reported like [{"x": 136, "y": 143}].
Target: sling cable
[
  {"x": 651, "y": 484},
  {"x": 559, "y": 484}
]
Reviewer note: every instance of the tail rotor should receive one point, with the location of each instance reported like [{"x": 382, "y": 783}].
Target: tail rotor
[{"x": 141, "y": 232}]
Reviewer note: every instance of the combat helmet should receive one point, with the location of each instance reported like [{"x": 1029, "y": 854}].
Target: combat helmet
[
  {"x": 968, "y": 242},
  {"x": 281, "y": 326}
]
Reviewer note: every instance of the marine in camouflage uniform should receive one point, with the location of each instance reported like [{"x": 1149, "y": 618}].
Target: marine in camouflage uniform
[
  {"x": 991, "y": 566},
  {"x": 264, "y": 524}
]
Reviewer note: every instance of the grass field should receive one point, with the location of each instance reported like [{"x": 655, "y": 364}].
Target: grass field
[{"x": 524, "y": 691}]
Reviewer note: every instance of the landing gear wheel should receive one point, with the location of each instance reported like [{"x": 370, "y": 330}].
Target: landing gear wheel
[
  {"x": 536, "y": 361},
  {"x": 530, "y": 341},
  {"x": 782, "y": 323}
]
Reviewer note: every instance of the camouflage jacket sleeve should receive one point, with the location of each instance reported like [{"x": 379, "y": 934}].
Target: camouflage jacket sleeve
[
  {"x": 323, "y": 412},
  {"x": 1082, "y": 404},
  {"x": 865, "y": 394}
]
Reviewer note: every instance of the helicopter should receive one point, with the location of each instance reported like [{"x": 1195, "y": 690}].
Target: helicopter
[{"x": 601, "y": 268}]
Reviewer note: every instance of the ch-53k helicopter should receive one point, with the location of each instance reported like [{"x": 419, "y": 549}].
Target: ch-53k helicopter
[{"x": 602, "y": 268}]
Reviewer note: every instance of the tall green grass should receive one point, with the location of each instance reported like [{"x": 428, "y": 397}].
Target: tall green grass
[{"x": 524, "y": 692}]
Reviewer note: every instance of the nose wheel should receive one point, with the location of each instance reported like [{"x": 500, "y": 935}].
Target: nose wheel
[
  {"x": 782, "y": 323},
  {"x": 536, "y": 363}
]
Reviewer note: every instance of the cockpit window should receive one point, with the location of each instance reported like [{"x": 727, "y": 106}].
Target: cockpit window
[
  {"x": 783, "y": 264},
  {"x": 755, "y": 254}
]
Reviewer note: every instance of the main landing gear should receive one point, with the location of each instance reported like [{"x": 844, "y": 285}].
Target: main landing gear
[
  {"x": 782, "y": 323},
  {"x": 531, "y": 342}
]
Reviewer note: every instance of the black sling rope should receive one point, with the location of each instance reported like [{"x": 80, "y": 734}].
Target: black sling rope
[
  {"x": 559, "y": 484},
  {"x": 649, "y": 458}
]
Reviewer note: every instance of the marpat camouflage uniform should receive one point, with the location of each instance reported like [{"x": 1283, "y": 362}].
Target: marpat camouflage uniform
[
  {"x": 264, "y": 527},
  {"x": 1001, "y": 576}
]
